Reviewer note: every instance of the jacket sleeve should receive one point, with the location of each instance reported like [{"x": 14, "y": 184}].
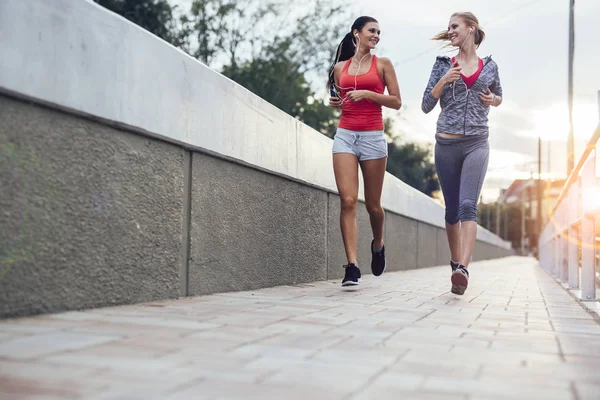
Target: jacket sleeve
[
  {"x": 429, "y": 102},
  {"x": 496, "y": 87}
]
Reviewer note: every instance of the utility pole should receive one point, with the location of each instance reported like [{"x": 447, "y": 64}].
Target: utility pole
[
  {"x": 571, "y": 139},
  {"x": 497, "y": 218},
  {"x": 505, "y": 209}
]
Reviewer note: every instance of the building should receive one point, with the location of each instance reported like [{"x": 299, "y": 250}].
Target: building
[{"x": 522, "y": 229}]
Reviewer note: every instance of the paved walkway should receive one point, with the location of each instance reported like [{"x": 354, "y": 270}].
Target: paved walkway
[{"x": 515, "y": 334}]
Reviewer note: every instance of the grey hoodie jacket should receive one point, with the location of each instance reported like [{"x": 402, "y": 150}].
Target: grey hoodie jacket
[{"x": 466, "y": 115}]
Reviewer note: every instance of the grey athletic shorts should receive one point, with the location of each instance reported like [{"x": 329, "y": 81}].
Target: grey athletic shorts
[{"x": 366, "y": 145}]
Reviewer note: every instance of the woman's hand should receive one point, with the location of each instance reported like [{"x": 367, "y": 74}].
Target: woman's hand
[
  {"x": 358, "y": 95},
  {"x": 453, "y": 73},
  {"x": 488, "y": 99},
  {"x": 335, "y": 102}
]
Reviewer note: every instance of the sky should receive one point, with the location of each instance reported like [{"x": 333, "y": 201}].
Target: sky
[
  {"x": 529, "y": 42},
  {"x": 528, "y": 39}
]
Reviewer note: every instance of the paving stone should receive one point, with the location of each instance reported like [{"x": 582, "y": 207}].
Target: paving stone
[
  {"x": 402, "y": 335},
  {"x": 380, "y": 393},
  {"x": 494, "y": 387},
  {"x": 28, "y": 347},
  {"x": 587, "y": 391},
  {"x": 392, "y": 381}
]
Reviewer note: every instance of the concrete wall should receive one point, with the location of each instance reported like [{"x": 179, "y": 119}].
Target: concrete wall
[
  {"x": 96, "y": 216},
  {"x": 115, "y": 191},
  {"x": 77, "y": 56},
  {"x": 250, "y": 229},
  {"x": 90, "y": 215}
]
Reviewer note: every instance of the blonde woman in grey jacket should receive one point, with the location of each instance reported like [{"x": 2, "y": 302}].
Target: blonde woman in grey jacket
[{"x": 465, "y": 86}]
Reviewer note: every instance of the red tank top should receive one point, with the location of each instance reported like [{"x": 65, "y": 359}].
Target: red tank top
[
  {"x": 470, "y": 80},
  {"x": 363, "y": 115}
]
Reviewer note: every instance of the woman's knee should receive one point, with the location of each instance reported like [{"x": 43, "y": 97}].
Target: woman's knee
[
  {"x": 374, "y": 208},
  {"x": 452, "y": 217},
  {"x": 348, "y": 203},
  {"x": 451, "y": 212},
  {"x": 468, "y": 210}
]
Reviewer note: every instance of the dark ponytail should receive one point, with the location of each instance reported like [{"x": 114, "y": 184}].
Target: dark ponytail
[{"x": 347, "y": 47}]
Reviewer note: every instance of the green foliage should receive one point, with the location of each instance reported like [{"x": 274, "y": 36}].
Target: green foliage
[
  {"x": 276, "y": 77},
  {"x": 156, "y": 16},
  {"x": 411, "y": 162},
  {"x": 223, "y": 27},
  {"x": 273, "y": 77},
  {"x": 272, "y": 47}
]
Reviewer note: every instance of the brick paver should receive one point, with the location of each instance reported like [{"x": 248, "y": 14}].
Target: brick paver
[{"x": 515, "y": 334}]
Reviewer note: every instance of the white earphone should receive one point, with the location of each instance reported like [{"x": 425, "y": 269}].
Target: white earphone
[
  {"x": 357, "y": 71},
  {"x": 453, "y": 84}
]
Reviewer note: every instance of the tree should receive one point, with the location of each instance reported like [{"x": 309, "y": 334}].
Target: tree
[
  {"x": 411, "y": 162},
  {"x": 225, "y": 28},
  {"x": 276, "y": 78},
  {"x": 313, "y": 38},
  {"x": 271, "y": 47},
  {"x": 269, "y": 77},
  {"x": 156, "y": 16},
  {"x": 241, "y": 30},
  {"x": 319, "y": 116}
]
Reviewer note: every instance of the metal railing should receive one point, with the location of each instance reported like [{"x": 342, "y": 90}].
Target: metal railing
[{"x": 568, "y": 243}]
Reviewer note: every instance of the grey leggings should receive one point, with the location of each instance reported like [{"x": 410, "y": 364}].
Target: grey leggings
[{"x": 461, "y": 165}]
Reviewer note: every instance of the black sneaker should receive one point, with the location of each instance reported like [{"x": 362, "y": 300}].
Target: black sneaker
[
  {"x": 377, "y": 260},
  {"x": 460, "y": 280},
  {"x": 352, "y": 276},
  {"x": 453, "y": 265}
]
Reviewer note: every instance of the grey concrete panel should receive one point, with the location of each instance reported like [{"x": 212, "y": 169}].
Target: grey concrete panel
[
  {"x": 400, "y": 242},
  {"x": 486, "y": 251},
  {"x": 90, "y": 216},
  {"x": 492, "y": 252},
  {"x": 498, "y": 252},
  {"x": 482, "y": 251},
  {"x": 185, "y": 227},
  {"x": 443, "y": 249},
  {"x": 250, "y": 229},
  {"x": 336, "y": 256},
  {"x": 426, "y": 245}
]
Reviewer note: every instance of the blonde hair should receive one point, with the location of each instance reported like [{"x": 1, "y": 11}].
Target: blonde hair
[{"x": 471, "y": 21}]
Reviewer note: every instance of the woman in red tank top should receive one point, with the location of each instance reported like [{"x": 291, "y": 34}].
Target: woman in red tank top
[{"x": 357, "y": 81}]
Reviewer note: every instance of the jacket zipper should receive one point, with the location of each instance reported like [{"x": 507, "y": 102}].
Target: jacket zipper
[
  {"x": 467, "y": 103},
  {"x": 465, "y": 116}
]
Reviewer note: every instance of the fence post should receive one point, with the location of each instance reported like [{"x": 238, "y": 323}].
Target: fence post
[
  {"x": 573, "y": 259},
  {"x": 588, "y": 232}
]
